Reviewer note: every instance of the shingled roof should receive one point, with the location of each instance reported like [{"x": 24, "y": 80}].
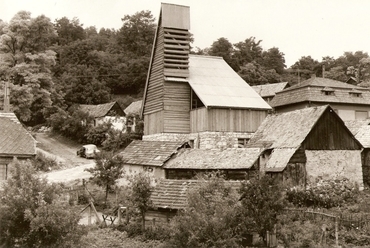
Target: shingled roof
[
  {"x": 241, "y": 158},
  {"x": 14, "y": 138},
  {"x": 314, "y": 90},
  {"x": 266, "y": 90},
  {"x": 134, "y": 108},
  {"x": 150, "y": 153},
  {"x": 218, "y": 85},
  {"x": 286, "y": 130},
  {"x": 172, "y": 194},
  {"x": 99, "y": 110},
  {"x": 361, "y": 130}
]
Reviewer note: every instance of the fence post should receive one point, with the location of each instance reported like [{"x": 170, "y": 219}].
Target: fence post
[
  {"x": 89, "y": 217},
  {"x": 336, "y": 232}
]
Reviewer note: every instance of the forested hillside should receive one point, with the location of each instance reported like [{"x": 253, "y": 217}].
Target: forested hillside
[{"x": 52, "y": 65}]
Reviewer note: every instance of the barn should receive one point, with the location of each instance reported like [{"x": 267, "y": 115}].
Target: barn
[{"x": 308, "y": 144}]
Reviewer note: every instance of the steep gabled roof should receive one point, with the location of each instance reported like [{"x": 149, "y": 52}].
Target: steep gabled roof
[
  {"x": 201, "y": 159},
  {"x": 267, "y": 90},
  {"x": 14, "y": 138},
  {"x": 218, "y": 85},
  {"x": 150, "y": 153},
  {"x": 134, "y": 108},
  {"x": 361, "y": 130},
  {"x": 99, "y": 110},
  {"x": 313, "y": 90},
  {"x": 172, "y": 194},
  {"x": 286, "y": 130}
]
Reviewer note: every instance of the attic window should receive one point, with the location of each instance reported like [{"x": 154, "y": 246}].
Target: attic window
[
  {"x": 242, "y": 142},
  {"x": 355, "y": 93},
  {"x": 328, "y": 91}
]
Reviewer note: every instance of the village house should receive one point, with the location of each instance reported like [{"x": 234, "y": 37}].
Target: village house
[
  {"x": 15, "y": 142},
  {"x": 132, "y": 113},
  {"x": 106, "y": 112},
  {"x": 349, "y": 101},
  {"x": 304, "y": 145},
  {"x": 148, "y": 156},
  {"x": 200, "y": 99},
  {"x": 268, "y": 91}
]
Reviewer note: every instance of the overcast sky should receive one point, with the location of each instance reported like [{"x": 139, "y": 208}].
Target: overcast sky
[{"x": 298, "y": 28}]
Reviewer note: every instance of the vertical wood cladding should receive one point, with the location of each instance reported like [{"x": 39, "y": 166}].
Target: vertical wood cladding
[
  {"x": 330, "y": 133},
  {"x": 227, "y": 120},
  {"x": 154, "y": 97},
  {"x": 153, "y": 123},
  {"x": 176, "y": 107}
]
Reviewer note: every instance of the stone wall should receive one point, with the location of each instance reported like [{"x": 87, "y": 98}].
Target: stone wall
[
  {"x": 203, "y": 140},
  {"x": 334, "y": 164}
]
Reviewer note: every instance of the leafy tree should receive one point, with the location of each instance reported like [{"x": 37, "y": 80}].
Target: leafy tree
[
  {"x": 223, "y": 48},
  {"x": 261, "y": 203},
  {"x": 30, "y": 216},
  {"x": 210, "y": 220},
  {"x": 137, "y": 34},
  {"x": 108, "y": 168},
  {"x": 26, "y": 60},
  {"x": 139, "y": 193},
  {"x": 97, "y": 135},
  {"x": 69, "y": 30},
  {"x": 248, "y": 51},
  {"x": 273, "y": 59}
]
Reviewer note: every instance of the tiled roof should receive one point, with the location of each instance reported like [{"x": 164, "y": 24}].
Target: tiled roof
[
  {"x": 172, "y": 194},
  {"x": 286, "y": 130},
  {"x": 99, "y": 110},
  {"x": 134, "y": 107},
  {"x": 314, "y": 90},
  {"x": 152, "y": 153},
  {"x": 238, "y": 158},
  {"x": 14, "y": 138},
  {"x": 266, "y": 90},
  {"x": 218, "y": 85}
]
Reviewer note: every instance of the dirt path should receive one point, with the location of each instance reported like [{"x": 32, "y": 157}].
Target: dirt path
[{"x": 63, "y": 151}]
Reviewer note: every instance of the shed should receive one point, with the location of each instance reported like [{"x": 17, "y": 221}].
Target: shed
[
  {"x": 361, "y": 130},
  {"x": 106, "y": 112},
  {"x": 190, "y": 94},
  {"x": 233, "y": 164},
  {"x": 132, "y": 113},
  {"x": 15, "y": 142},
  {"x": 149, "y": 156},
  {"x": 305, "y": 144},
  {"x": 170, "y": 196}
]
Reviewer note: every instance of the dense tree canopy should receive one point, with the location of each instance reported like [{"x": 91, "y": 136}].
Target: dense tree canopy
[{"x": 54, "y": 65}]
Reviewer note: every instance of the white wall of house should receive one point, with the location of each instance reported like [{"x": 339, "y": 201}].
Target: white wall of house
[
  {"x": 334, "y": 164},
  {"x": 155, "y": 173},
  {"x": 118, "y": 122}
]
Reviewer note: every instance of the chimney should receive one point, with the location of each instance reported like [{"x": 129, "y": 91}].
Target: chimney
[{"x": 6, "y": 97}]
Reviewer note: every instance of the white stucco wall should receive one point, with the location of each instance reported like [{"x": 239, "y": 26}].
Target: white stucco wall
[
  {"x": 155, "y": 173},
  {"x": 334, "y": 164},
  {"x": 118, "y": 123}
]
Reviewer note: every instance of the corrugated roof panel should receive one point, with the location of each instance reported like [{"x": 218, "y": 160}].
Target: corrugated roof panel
[{"x": 218, "y": 85}]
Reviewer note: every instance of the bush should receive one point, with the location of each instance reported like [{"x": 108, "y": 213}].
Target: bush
[
  {"x": 97, "y": 135},
  {"x": 325, "y": 194},
  {"x": 44, "y": 163}
]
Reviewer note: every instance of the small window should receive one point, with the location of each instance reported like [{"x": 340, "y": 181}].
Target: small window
[
  {"x": 355, "y": 94},
  {"x": 191, "y": 143},
  {"x": 329, "y": 93},
  {"x": 242, "y": 142}
]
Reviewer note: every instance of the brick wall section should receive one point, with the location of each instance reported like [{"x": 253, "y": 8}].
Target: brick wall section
[
  {"x": 203, "y": 140},
  {"x": 334, "y": 164}
]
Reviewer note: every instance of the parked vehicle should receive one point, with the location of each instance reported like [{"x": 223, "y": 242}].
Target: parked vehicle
[{"x": 88, "y": 151}]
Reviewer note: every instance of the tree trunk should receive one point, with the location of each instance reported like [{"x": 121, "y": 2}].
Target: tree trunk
[
  {"x": 143, "y": 221},
  {"x": 106, "y": 194}
]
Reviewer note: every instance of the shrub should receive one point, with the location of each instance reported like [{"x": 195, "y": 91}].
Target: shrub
[
  {"x": 44, "y": 163},
  {"x": 97, "y": 135},
  {"x": 325, "y": 194}
]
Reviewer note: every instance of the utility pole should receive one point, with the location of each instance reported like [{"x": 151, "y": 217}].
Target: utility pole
[{"x": 6, "y": 96}]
